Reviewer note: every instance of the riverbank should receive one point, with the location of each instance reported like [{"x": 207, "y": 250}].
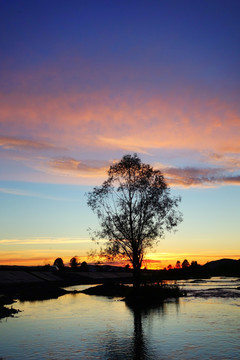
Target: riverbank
[
  {"x": 43, "y": 283},
  {"x": 6, "y": 311},
  {"x": 27, "y": 284},
  {"x": 23, "y": 275},
  {"x": 216, "y": 287},
  {"x": 145, "y": 295}
]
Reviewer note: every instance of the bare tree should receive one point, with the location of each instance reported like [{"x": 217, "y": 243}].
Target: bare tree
[{"x": 134, "y": 208}]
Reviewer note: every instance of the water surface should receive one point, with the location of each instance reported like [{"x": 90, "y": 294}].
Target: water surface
[{"x": 89, "y": 327}]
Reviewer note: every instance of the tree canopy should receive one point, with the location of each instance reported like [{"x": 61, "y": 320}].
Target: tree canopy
[
  {"x": 59, "y": 263},
  {"x": 134, "y": 208},
  {"x": 74, "y": 262},
  {"x": 185, "y": 264}
]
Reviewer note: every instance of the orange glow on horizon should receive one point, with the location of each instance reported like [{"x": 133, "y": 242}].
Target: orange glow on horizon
[{"x": 150, "y": 264}]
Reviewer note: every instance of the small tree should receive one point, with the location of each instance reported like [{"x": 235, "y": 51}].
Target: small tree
[
  {"x": 194, "y": 265},
  {"x": 134, "y": 208},
  {"x": 185, "y": 264},
  {"x": 74, "y": 262},
  {"x": 178, "y": 265},
  {"x": 84, "y": 266},
  {"x": 59, "y": 263}
]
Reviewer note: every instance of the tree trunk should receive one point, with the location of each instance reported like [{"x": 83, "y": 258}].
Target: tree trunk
[
  {"x": 136, "y": 278},
  {"x": 136, "y": 272}
]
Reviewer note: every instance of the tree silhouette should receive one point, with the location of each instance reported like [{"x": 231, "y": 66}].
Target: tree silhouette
[
  {"x": 74, "y": 262},
  {"x": 178, "y": 265},
  {"x": 59, "y": 263},
  {"x": 84, "y": 266},
  {"x": 134, "y": 208},
  {"x": 185, "y": 264}
]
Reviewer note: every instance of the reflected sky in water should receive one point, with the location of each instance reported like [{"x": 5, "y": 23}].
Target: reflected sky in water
[{"x": 89, "y": 327}]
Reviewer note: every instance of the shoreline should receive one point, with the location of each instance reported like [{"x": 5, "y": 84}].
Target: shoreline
[
  {"x": 31, "y": 284},
  {"x": 10, "y": 294}
]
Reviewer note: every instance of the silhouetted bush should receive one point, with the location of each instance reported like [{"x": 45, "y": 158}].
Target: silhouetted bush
[{"x": 84, "y": 266}]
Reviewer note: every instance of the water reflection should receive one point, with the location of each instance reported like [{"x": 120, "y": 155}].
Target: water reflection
[
  {"x": 137, "y": 346},
  {"x": 90, "y": 327}
]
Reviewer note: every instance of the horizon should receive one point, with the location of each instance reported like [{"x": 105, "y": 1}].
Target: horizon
[
  {"x": 148, "y": 265},
  {"x": 84, "y": 83}
]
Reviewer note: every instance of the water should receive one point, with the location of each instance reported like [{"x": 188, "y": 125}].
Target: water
[{"x": 90, "y": 327}]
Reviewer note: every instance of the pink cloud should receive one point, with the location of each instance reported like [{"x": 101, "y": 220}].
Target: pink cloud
[
  {"x": 130, "y": 123},
  {"x": 200, "y": 177},
  {"x": 175, "y": 176},
  {"x": 228, "y": 160},
  {"x": 81, "y": 168},
  {"x": 97, "y": 122},
  {"x": 11, "y": 143}
]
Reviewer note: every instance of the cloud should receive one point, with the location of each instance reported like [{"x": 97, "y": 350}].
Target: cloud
[
  {"x": 73, "y": 167},
  {"x": 200, "y": 177},
  {"x": 128, "y": 143},
  {"x": 17, "y": 192},
  {"x": 20, "y": 192},
  {"x": 102, "y": 123},
  {"x": 175, "y": 176},
  {"x": 230, "y": 180},
  {"x": 231, "y": 161},
  {"x": 44, "y": 240},
  {"x": 11, "y": 143},
  {"x": 128, "y": 121}
]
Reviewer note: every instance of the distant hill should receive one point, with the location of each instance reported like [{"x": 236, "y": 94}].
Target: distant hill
[{"x": 228, "y": 267}]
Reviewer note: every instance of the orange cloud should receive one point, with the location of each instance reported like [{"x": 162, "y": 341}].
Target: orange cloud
[
  {"x": 70, "y": 166},
  {"x": 10, "y": 143}
]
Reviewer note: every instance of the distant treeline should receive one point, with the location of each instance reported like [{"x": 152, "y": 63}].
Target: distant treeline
[{"x": 223, "y": 267}]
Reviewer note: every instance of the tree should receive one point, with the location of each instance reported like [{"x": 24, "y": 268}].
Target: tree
[
  {"x": 74, "y": 262},
  {"x": 59, "y": 263},
  {"x": 194, "y": 265},
  {"x": 84, "y": 266},
  {"x": 178, "y": 265},
  {"x": 134, "y": 208},
  {"x": 185, "y": 264}
]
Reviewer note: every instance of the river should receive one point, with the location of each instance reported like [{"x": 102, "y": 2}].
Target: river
[{"x": 203, "y": 325}]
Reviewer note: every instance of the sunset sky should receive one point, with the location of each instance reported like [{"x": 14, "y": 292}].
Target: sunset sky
[{"x": 84, "y": 82}]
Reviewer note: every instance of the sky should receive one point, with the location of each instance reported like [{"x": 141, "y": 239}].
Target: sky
[{"x": 84, "y": 82}]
